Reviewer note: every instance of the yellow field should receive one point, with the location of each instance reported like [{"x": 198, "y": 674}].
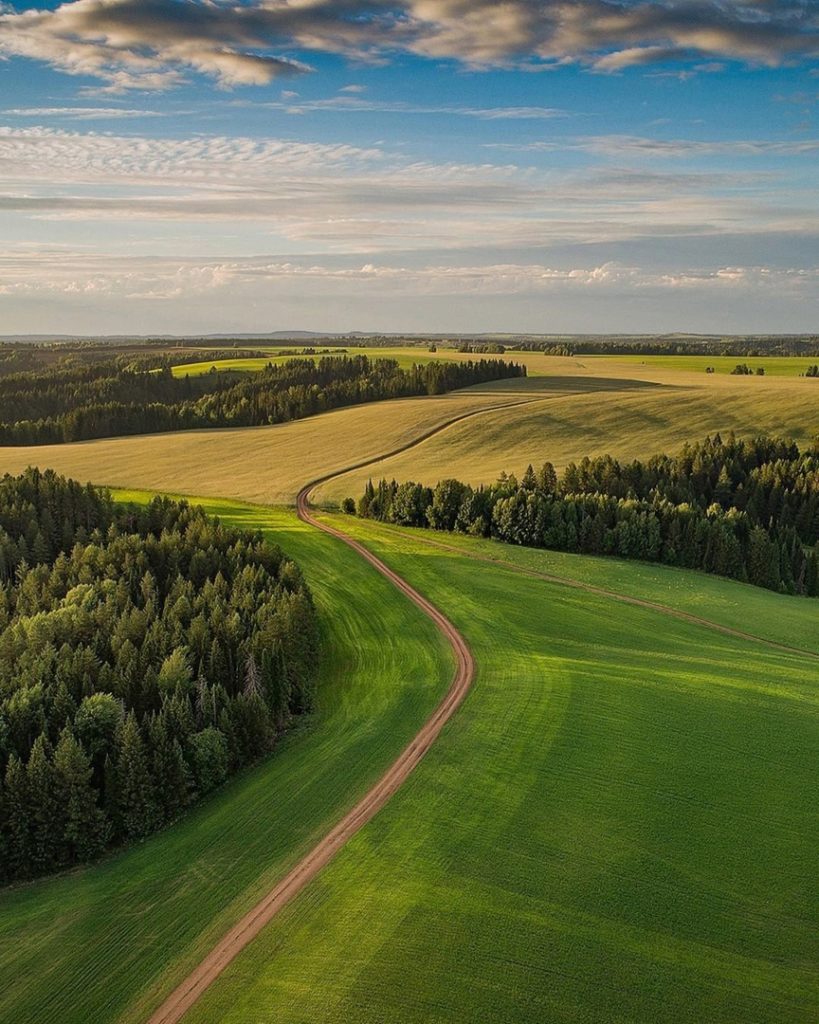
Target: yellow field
[
  {"x": 632, "y": 423},
  {"x": 565, "y": 409},
  {"x": 267, "y": 465}
]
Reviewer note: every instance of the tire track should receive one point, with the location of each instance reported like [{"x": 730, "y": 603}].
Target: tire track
[{"x": 244, "y": 931}]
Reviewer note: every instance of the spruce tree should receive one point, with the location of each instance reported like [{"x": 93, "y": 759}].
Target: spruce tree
[
  {"x": 18, "y": 824},
  {"x": 46, "y": 815},
  {"x": 86, "y": 828},
  {"x": 135, "y": 787}
]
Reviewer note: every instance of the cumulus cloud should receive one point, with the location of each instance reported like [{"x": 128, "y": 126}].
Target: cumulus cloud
[{"x": 155, "y": 43}]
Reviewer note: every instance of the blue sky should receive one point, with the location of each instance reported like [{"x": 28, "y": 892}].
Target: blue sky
[{"x": 435, "y": 165}]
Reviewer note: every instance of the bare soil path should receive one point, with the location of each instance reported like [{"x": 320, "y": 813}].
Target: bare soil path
[{"x": 245, "y": 930}]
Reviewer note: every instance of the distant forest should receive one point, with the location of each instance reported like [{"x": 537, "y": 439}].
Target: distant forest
[
  {"x": 145, "y": 655},
  {"x": 772, "y": 346},
  {"x": 107, "y": 399},
  {"x": 744, "y": 509}
]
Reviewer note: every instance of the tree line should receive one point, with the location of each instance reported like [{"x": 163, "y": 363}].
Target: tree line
[
  {"x": 145, "y": 655},
  {"x": 105, "y": 399},
  {"x": 774, "y": 345},
  {"x": 746, "y": 509}
]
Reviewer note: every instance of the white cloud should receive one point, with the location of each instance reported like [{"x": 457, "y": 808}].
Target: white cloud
[
  {"x": 154, "y": 43},
  {"x": 641, "y": 147},
  {"x": 76, "y": 275},
  {"x": 81, "y": 113}
]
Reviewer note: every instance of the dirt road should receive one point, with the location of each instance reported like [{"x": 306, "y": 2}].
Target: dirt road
[{"x": 186, "y": 994}]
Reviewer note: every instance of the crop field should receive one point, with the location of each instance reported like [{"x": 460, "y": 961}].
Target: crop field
[
  {"x": 582, "y": 410},
  {"x": 543, "y": 861},
  {"x": 261, "y": 464},
  {"x": 617, "y": 825},
  {"x": 637, "y": 421},
  {"x": 105, "y": 941}
]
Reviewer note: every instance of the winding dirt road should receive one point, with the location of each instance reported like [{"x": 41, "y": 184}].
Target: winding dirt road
[{"x": 245, "y": 930}]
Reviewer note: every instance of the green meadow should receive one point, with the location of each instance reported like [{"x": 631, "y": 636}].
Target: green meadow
[
  {"x": 618, "y": 825},
  {"x": 106, "y": 942}
]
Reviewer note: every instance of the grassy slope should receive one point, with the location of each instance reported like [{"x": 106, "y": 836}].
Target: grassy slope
[
  {"x": 261, "y": 464},
  {"x": 637, "y": 422},
  {"x": 103, "y": 942},
  {"x": 778, "y": 366},
  {"x": 788, "y": 620},
  {"x": 617, "y": 827}
]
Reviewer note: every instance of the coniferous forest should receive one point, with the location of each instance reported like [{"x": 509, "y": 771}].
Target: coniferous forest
[
  {"x": 108, "y": 398},
  {"x": 744, "y": 509},
  {"x": 145, "y": 655}
]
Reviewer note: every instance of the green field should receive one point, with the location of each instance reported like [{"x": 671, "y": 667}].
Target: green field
[
  {"x": 538, "y": 364},
  {"x": 617, "y": 826},
  {"x": 775, "y": 366},
  {"x": 550, "y": 860},
  {"x": 103, "y": 943},
  {"x": 405, "y": 357}
]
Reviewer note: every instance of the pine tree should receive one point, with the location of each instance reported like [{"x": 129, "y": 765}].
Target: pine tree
[
  {"x": 135, "y": 788},
  {"x": 17, "y": 819},
  {"x": 46, "y": 815},
  {"x": 86, "y": 828}
]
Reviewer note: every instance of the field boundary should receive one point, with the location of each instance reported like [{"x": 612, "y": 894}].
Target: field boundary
[{"x": 248, "y": 927}]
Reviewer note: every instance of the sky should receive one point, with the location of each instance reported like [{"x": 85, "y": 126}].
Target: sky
[{"x": 577, "y": 166}]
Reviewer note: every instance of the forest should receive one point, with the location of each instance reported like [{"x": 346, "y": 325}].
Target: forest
[
  {"x": 108, "y": 399},
  {"x": 746, "y": 509},
  {"x": 775, "y": 345},
  {"x": 146, "y": 654}
]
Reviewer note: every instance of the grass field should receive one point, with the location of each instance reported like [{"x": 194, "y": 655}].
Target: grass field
[
  {"x": 405, "y": 357},
  {"x": 101, "y": 944},
  {"x": 537, "y": 364},
  {"x": 618, "y": 825},
  {"x": 777, "y": 366},
  {"x": 549, "y": 861}
]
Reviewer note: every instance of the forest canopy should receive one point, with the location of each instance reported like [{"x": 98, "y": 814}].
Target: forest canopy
[
  {"x": 744, "y": 509},
  {"x": 146, "y": 653},
  {"x": 108, "y": 398}
]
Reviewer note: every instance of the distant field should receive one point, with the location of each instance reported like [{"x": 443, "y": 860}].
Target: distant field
[
  {"x": 262, "y": 464},
  {"x": 405, "y": 357},
  {"x": 777, "y": 366},
  {"x": 617, "y": 826},
  {"x": 537, "y": 363},
  {"x": 100, "y": 944},
  {"x": 576, "y": 409}
]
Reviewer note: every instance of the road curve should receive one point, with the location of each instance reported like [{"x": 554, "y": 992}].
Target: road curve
[{"x": 244, "y": 931}]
